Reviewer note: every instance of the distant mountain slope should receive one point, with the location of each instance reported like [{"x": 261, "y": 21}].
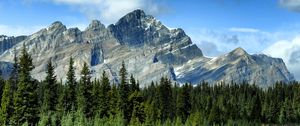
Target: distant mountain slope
[{"x": 150, "y": 51}]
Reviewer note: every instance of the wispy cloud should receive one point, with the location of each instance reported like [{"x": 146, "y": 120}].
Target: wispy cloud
[
  {"x": 289, "y": 51},
  {"x": 237, "y": 29},
  {"x": 292, "y": 5},
  {"x": 11, "y": 30},
  {"x": 109, "y": 11},
  {"x": 225, "y": 40}
]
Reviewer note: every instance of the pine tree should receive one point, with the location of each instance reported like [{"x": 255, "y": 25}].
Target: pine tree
[
  {"x": 166, "y": 99},
  {"x": 114, "y": 100},
  {"x": 71, "y": 88},
  {"x": 5, "y": 112},
  {"x": 26, "y": 97},
  {"x": 50, "y": 99},
  {"x": 138, "y": 111},
  {"x": 85, "y": 103},
  {"x": 184, "y": 102},
  {"x": 96, "y": 97},
  {"x": 214, "y": 115},
  {"x": 2, "y": 83},
  {"x": 133, "y": 84},
  {"x": 124, "y": 93},
  {"x": 104, "y": 96}
]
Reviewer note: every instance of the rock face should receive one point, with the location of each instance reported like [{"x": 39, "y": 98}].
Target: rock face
[
  {"x": 8, "y": 42},
  {"x": 149, "y": 49}
]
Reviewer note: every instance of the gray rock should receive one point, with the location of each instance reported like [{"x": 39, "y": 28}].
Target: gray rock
[
  {"x": 8, "y": 42},
  {"x": 150, "y": 51}
]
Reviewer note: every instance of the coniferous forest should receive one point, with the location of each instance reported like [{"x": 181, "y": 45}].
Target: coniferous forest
[{"x": 95, "y": 102}]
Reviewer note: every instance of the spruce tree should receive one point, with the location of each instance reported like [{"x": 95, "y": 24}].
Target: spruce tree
[
  {"x": 184, "y": 102},
  {"x": 5, "y": 112},
  {"x": 124, "y": 93},
  {"x": 26, "y": 97},
  {"x": 85, "y": 100},
  {"x": 96, "y": 97},
  {"x": 2, "y": 83},
  {"x": 50, "y": 99},
  {"x": 104, "y": 96},
  {"x": 70, "y": 92},
  {"x": 166, "y": 99},
  {"x": 138, "y": 108},
  {"x": 134, "y": 84},
  {"x": 114, "y": 100}
]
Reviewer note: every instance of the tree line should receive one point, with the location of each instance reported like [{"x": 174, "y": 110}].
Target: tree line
[{"x": 97, "y": 102}]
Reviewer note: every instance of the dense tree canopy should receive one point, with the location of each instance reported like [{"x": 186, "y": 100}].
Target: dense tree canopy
[{"x": 90, "y": 101}]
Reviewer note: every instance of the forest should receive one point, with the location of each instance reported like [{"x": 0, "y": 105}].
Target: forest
[{"x": 86, "y": 101}]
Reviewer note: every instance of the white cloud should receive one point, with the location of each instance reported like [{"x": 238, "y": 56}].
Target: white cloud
[
  {"x": 11, "y": 30},
  {"x": 226, "y": 40},
  {"x": 109, "y": 11},
  {"x": 293, "y": 5},
  {"x": 250, "y": 30},
  {"x": 289, "y": 51}
]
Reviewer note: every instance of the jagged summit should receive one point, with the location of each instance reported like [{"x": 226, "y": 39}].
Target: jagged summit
[
  {"x": 57, "y": 27},
  {"x": 239, "y": 52},
  {"x": 132, "y": 17},
  {"x": 95, "y": 25},
  {"x": 149, "y": 49}
]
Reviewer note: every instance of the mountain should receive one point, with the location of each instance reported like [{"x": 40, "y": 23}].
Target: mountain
[{"x": 149, "y": 49}]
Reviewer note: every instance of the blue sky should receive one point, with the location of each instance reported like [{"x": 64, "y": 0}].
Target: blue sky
[{"x": 271, "y": 27}]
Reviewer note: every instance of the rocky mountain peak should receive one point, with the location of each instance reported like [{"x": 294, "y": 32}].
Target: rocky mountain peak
[
  {"x": 95, "y": 25},
  {"x": 238, "y": 52},
  {"x": 57, "y": 26},
  {"x": 132, "y": 17},
  {"x": 151, "y": 50}
]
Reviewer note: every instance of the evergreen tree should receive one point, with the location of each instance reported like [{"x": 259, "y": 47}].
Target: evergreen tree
[
  {"x": 70, "y": 92},
  {"x": 26, "y": 97},
  {"x": 50, "y": 99},
  {"x": 96, "y": 97},
  {"x": 5, "y": 111},
  {"x": 214, "y": 115},
  {"x": 166, "y": 99},
  {"x": 104, "y": 96},
  {"x": 2, "y": 83},
  {"x": 184, "y": 102},
  {"x": 133, "y": 84},
  {"x": 138, "y": 111},
  {"x": 85, "y": 100},
  {"x": 124, "y": 93},
  {"x": 114, "y": 100}
]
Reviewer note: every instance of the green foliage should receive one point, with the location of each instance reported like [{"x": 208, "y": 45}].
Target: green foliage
[
  {"x": 166, "y": 99},
  {"x": 184, "y": 102},
  {"x": 104, "y": 95},
  {"x": 124, "y": 91},
  {"x": 84, "y": 92},
  {"x": 5, "y": 111},
  {"x": 25, "y": 97},
  {"x": 70, "y": 92},
  {"x": 50, "y": 97},
  {"x": 101, "y": 103},
  {"x": 138, "y": 112}
]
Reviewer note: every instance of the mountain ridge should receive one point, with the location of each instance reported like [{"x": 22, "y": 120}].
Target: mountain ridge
[{"x": 149, "y": 48}]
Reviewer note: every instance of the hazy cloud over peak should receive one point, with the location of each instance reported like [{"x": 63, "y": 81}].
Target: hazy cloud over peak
[
  {"x": 109, "y": 11},
  {"x": 292, "y": 5},
  {"x": 236, "y": 29}
]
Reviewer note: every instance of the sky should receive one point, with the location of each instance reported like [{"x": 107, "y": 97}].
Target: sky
[{"x": 271, "y": 27}]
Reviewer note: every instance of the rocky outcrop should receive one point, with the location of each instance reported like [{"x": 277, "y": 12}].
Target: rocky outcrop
[
  {"x": 8, "y": 42},
  {"x": 150, "y": 51}
]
